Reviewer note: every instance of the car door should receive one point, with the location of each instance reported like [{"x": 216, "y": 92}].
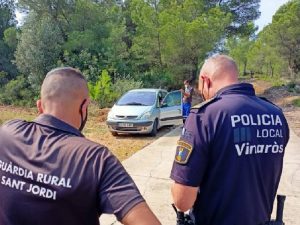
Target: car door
[{"x": 171, "y": 109}]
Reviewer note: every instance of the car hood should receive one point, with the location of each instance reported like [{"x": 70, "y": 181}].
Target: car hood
[{"x": 130, "y": 110}]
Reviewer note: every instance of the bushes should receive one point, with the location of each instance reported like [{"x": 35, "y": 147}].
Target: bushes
[
  {"x": 17, "y": 92},
  {"x": 3, "y": 79},
  {"x": 105, "y": 93},
  {"x": 156, "y": 79},
  {"x": 20, "y": 93},
  {"x": 276, "y": 81},
  {"x": 101, "y": 91},
  {"x": 124, "y": 84},
  {"x": 296, "y": 102},
  {"x": 293, "y": 87}
]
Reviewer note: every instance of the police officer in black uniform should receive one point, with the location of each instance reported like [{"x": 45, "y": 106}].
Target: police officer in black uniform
[
  {"x": 229, "y": 158},
  {"x": 51, "y": 174}
]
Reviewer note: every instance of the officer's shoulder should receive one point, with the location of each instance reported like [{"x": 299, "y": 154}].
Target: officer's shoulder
[
  {"x": 268, "y": 101},
  {"x": 203, "y": 105},
  {"x": 88, "y": 144},
  {"x": 11, "y": 123}
]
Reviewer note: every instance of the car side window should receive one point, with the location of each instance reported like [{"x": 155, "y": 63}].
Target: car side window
[
  {"x": 173, "y": 99},
  {"x": 161, "y": 96}
]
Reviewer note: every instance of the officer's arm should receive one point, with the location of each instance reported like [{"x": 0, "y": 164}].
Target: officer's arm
[
  {"x": 184, "y": 196},
  {"x": 140, "y": 214}
]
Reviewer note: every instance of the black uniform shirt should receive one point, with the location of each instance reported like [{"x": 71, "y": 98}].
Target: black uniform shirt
[
  {"x": 51, "y": 175},
  {"x": 232, "y": 147}
]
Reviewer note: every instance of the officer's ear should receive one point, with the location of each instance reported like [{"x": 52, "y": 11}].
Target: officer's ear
[
  {"x": 85, "y": 104},
  {"x": 39, "y": 106},
  {"x": 206, "y": 80}
]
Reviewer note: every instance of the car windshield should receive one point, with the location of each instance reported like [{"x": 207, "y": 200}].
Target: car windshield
[{"x": 143, "y": 98}]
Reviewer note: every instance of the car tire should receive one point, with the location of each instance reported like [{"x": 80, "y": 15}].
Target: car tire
[
  {"x": 154, "y": 128},
  {"x": 113, "y": 133}
]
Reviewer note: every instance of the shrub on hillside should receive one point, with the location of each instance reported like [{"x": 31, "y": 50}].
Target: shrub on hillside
[
  {"x": 105, "y": 93},
  {"x": 296, "y": 102},
  {"x": 101, "y": 91},
  {"x": 17, "y": 92},
  {"x": 124, "y": 84},
  {"x": 293, "y": 87},
  {"x": 158, "y": 79},
  {"x": 3, "y": 79}
]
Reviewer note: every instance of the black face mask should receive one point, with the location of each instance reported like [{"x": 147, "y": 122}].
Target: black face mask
[
  {"x": 202, "y": 95},
  {"x": 83, "y": 121}
]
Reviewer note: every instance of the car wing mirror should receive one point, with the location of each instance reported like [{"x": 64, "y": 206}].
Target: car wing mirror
[{"x": 164, "y": 104}]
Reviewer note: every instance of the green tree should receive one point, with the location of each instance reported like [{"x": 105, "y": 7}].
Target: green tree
[
  {"x": 58, "y": 12},
  {"x": 7, "y": 25},
  {"x": 264, "y": 58},
  {"x": 17, "y": 92},
  {"x": 6, "y": 57},
  {"x": 189, "y": 33},
  {"x": 147, "y": 46},
  {"x": 174, "y": 36},
  {"x": 39, "y": 49},
  {"x": 238, "y": 48},
  {"x": 10, "y": 37},
  {"x": 99, "y": 36},
  {"x": 7, "y": 15},
  {"x": 285, "y": 33},
  {"x": 243, "y": 14},
  {"x": 89, "y": 64},
  {"x": 276, "y": 50},
  {"x": 124, "y": 84},
  {"x": 3, "y": 79}
]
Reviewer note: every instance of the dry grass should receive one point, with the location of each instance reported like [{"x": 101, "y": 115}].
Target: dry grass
[
  {"x": 260, "y": 86},
  {"x": 10, "y": 112},
  {"x": 283, "y": 98},
  {"x": 122, "y": 146}
]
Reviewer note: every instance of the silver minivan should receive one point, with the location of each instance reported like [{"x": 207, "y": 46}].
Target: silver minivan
[{"x": 144, "y": 111}]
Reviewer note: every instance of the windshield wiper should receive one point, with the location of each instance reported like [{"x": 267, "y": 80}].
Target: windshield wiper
[{"x": 134, "y": 103}]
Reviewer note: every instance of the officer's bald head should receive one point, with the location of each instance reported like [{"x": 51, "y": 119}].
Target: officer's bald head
[
  {"x": 220, "y": 67},
  {"x": 217, "y": 72},
  {"x": 64, "y": 84}
]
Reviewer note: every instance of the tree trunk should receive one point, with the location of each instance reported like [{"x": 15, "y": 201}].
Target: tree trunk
[
  {"x": 245, "y": 68},
  {"x": 272, "y": 69},
  {"x": 292, "y": 74}
]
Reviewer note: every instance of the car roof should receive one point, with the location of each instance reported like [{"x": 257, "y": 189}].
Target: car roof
[{"x": 147, "y": 89}]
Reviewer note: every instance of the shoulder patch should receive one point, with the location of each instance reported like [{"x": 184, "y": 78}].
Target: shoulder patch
[
  {"x": 205, "y": 103},
  {"x": 183, "y": 152}
]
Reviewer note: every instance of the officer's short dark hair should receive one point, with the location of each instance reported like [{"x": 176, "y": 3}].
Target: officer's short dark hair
[
  {"x": 62, "y": 82},
  {"x": 66, "y": 71}
]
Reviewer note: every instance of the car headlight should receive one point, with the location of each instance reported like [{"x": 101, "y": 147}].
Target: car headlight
[
  {"x": 110, "y": 115},
  {"x": 146, "y": 115}
]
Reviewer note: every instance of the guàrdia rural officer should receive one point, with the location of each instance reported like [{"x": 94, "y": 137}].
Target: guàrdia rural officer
[
  {"x": 50, "y": 174},
  {"x": 229, "y": 157}
]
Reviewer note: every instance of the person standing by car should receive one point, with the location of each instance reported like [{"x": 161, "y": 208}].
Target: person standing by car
[
  {"x": 187, "y": 93},
  {"x": 51, "y": 174},
  {"x": 229, "y": 158}
]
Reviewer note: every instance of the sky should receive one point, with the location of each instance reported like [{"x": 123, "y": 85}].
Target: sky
[{"x": 268, "y": 8}]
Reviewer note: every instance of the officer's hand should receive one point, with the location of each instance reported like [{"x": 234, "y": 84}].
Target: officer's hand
[{"x": 184, "y": 197}]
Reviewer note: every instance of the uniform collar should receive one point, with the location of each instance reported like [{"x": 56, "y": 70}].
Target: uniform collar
[
  {"x": 53, "y": 122},
  {"x": 241, "y": 88}
]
